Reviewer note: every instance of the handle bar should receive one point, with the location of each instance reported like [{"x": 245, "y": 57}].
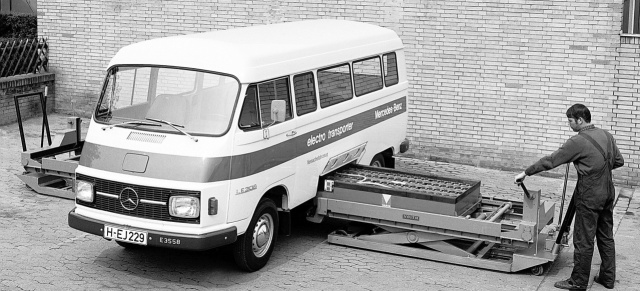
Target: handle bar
[{"x": 526, "y": 192}]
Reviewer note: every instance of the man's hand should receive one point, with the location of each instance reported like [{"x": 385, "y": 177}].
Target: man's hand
[{"x": 520, "y": 177}]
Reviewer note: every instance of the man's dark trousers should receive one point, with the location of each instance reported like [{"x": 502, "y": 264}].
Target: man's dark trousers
[{"x": 593, "y": 221}]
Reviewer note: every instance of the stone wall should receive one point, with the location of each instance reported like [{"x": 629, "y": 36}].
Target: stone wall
[{"x": 490, "y": 79}]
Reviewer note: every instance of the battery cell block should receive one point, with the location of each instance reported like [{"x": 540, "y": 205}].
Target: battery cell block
[{"x": 410, "y": 191}]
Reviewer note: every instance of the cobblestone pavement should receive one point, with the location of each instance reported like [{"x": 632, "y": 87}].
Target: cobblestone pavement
[{"x": 39, "y": 251}]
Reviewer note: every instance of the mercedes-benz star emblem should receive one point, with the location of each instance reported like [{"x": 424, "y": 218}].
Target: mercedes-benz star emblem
[{"x": 129, "y": 198}]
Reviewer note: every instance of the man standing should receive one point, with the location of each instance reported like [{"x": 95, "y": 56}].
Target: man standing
[{"x": 594, "y": 154}]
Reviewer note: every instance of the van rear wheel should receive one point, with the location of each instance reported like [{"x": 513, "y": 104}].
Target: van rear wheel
[
  {"x": 378, "y": 161},
  {"x": 253, "y": 249}
]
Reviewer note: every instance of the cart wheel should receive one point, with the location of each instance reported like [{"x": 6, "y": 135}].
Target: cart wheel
[{"x": 537, "y": 270}]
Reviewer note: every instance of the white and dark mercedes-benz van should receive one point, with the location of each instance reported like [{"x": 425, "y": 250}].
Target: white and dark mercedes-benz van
[{"x": 209, "y": 139}]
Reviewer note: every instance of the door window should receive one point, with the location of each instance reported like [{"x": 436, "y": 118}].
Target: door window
[{"x": 256, "y": 108}]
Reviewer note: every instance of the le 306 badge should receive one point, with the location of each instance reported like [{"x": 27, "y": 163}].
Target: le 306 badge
[{"x": 246, "y": 189}]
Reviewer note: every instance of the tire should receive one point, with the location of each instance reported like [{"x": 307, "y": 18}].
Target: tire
[
  {"x": 538, "y": 270},
  {"x": 378, "y": 161},
  {"x": 253, "y": 249}
]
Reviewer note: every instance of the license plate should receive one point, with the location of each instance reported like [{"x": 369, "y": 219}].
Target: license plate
[{"x": 125, "y": 235}]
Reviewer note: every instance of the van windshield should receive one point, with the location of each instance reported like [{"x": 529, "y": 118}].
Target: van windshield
[{"x": 200, "y": 102}]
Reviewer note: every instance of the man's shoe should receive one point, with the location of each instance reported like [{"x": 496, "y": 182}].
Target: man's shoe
[
  {"x": 568, "y": 285},
  {"x": 597, "y": 280}
]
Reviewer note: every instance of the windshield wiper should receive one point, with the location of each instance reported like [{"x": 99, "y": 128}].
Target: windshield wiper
[
  {"x": 175, "y": 126},
  {"x": 135, "y": 122}
]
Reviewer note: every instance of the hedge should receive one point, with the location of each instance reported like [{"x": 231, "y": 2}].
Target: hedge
[{"x": 18, "y": 26}]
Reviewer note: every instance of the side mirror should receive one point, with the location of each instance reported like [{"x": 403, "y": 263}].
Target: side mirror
[{"x": 278, "y": 110}]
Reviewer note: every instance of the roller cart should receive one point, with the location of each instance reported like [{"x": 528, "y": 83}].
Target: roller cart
[{"x": 439, "y": 218}]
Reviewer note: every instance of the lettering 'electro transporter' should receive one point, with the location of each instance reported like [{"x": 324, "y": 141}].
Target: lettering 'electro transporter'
[
  {"x": 209, "y": 139},
  {"x": 329, "y": 134}
]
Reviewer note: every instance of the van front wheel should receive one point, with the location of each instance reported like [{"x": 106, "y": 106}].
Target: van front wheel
[{"x": 253, "y": 249}]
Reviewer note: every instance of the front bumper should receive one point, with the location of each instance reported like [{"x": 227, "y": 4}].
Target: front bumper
[{"x": 156, "y": 238}]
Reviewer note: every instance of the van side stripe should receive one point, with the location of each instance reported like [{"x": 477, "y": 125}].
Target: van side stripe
[{"x": 195, "y": 169}]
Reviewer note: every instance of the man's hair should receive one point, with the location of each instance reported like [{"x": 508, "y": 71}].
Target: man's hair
[{"x": 577, "y": 111}]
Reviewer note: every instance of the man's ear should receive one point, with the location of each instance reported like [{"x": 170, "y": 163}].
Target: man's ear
[{"x": 580, "y": 120}]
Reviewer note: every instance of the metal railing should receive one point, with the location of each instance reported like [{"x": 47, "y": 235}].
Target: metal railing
[{"x": 23, "y": 56}]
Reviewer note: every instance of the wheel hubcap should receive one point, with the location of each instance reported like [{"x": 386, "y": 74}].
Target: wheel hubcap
[{"x": 262, "y": 235}]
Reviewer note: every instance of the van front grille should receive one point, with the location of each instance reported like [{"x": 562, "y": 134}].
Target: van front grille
[{"x": 153, "y": 201}]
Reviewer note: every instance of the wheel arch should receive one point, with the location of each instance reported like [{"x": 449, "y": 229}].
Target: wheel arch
[
  {"x": 280, "y": 195},
  {"x": 389, "y": 160}
]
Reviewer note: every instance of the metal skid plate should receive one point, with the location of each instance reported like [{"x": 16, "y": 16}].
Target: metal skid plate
[{"x": 48, "y": 184}]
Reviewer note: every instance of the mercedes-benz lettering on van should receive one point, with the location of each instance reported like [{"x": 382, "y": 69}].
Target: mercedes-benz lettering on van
[{"x": 210, "y": 139}]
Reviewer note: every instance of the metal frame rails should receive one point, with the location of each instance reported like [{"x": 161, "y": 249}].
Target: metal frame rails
[
  {"x": 50, "y": 171},
  {"x": 494, "y": 234}
]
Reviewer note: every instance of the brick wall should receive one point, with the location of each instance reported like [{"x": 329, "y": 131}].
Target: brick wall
[
  {"x": 626, "y": 113},
  {"x": 490, "y": 79},
  {"x": 28, "y": 85}
]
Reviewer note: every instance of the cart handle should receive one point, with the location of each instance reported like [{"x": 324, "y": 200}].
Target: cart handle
[{"x": 526, "y": 192}]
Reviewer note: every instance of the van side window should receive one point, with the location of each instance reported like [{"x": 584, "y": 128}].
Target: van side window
[
  {"x": 273, "y": 90},
  {"x": 390, "y": 69},
  {"x": 249, "y": 113},
  {"x": 334, "y": 85},
  {"x": 367, "y": 76},
  {"x": 304, "y": 88}
]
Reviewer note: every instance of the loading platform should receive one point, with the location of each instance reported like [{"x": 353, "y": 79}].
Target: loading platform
[{"x": 439, "y": 218}]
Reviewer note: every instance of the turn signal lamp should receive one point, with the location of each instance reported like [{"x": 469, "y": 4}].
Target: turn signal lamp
[{"x": 213, "y": 206}]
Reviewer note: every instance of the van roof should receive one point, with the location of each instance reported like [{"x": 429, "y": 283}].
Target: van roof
[{"x": 265, "y": 51}]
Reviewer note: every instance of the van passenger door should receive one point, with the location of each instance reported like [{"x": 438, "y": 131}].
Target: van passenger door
[
  {"x": 310, "y": 161},
  {"x": 264, "y": 148}
]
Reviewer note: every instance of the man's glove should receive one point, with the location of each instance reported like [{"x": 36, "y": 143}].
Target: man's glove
[{"x": 520, "y": 177}]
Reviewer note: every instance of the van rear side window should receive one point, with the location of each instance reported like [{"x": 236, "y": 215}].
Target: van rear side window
[
  {"x": 367, "y": 76},
  {"x": 390, "y": 69},
  {"x": 304, "y": 88},
  {"x": 334, "y": 85}
]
